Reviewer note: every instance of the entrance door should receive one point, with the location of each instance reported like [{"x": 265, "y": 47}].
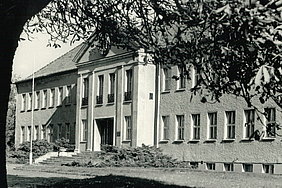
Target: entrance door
[{"x": 106, "y": 130}]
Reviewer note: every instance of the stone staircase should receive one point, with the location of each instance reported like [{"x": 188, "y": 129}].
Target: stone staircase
[{"x": 60, "y": 160}]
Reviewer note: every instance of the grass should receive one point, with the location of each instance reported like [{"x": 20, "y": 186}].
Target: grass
[{"x": 151, "y": 177}]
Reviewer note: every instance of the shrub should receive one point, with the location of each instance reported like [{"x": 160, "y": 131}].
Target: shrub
[
  {"x": 40, "y": 147},
  {"x": 63, "y": 143}
]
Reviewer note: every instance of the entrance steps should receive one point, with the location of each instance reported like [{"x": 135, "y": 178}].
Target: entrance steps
[{"x": 61, "y": 160}]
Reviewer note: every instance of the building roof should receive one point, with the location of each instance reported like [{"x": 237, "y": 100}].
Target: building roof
[{"x": 61, "y": 64}]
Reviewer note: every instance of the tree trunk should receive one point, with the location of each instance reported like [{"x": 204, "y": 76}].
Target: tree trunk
[{"x": 14, "y": 15}]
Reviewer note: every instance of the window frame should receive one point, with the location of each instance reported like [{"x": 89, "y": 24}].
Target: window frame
[
  {"x": 52, "y": 97},
  {"x": 212, "y": 125},
  {"x": 230, "y": 124},
  {"x": 180, "y": 127},
  {"x": 249, "y": 127},
  {"x": 128, "y": 128},
  {"x": 270, "y": 122},
  {"x": 196, "y": 127},
  {"x": 23, "y": 102},
  {"x": 165, "y": 128}
]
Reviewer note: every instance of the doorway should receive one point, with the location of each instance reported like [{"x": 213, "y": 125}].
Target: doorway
[{"x": 106, "y": 130}]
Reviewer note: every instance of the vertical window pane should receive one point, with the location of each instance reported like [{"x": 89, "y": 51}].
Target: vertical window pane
[
  {"x": 23, "y": 99},
  {"x": 52, "y": 97},
  {"x": 112, "y": 83},
  {"x": 196, "y": 126},
  {"x": 250, "y": 122},
  {"x": 180, "y": 127},
  {"x": 128, "y": 128},
  {"x": 165, "y": 131}
]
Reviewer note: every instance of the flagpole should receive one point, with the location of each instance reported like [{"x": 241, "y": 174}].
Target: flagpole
[{"x": 32, "y": 111}]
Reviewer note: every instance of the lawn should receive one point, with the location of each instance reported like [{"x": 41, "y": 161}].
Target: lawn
[{"x": 62, "y": 176}]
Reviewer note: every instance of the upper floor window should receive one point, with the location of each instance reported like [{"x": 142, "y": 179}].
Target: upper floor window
[
  {"x": 249, "y": 123},
  {"x": 52, "y": 98},
  {"x": 165, "y": 128},
  {"x": 29, "y": 101},
  {"x": 180, "y": 127},
  {"x": 166, "y": 79},
  {"x": 44, "y": 99},
  {"x": 111, "y": 95},
  {"x": 85, "y": 87},
  {"x": 270, "y": 122},
  {"x": 60, "y": 96},
  {"x": 128, "y": 88},
  {"x": 196, "y": 126},
  {"x": 212, "y": 128},
  {"x": 196, "y": 77},
  {"x": 23, "y": 99},
  {"x": 99, "y": 98},
  {"x": 68, "y": 95},
  {"x": 28, "y": 134},
  {"x": 36, "y": 132},
  {"x": 182, "y": 79},
  {"x": 230, "y": 124},
  {"x": 37, "y": 100}
]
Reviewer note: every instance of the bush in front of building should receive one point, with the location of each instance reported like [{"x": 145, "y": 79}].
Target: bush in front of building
[
  {"x": 145, "y": 156},
  {"x": 39, "y": 148}
]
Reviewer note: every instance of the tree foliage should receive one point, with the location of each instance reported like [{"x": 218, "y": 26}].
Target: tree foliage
[{"x": 234, "y": 44}]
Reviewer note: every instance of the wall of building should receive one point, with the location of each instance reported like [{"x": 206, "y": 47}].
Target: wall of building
[
  {"x": 178, "y": 102},
  {"x": 54, "y": 115}
]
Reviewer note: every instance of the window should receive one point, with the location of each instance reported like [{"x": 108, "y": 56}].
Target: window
[
  {"x": 44, "y": 99},
  {"x": 128, "y": 89},
  {"x": 36, "y": 132},
  {"x": 181, "y": 81},
  {"x": 212, "y": 129},
  {"x": 43, "y": 132},
  {"x": 23, "y": 102},
  {"x": 84, "y": 131},
  {"x": 180, "y": 127},
  {"x": 29, "y": 101},
  {"x": 268, "y": 168},
  {"x": 210, "y": 166},
  {"x": 165, "y": 128},
  {"x": 230, "y": 124},
  {"x": 196, "y": 126},
  {"x": 52, "y": 98},
  {"x": 99, "y": 98},
  {"x": 68, "y": 95},
  {"x": 270, "y": 122},
  {"x": 85, "y": 91},
  {"x": 166, "y": 79},
  {"x": 67, "y": 131},
  {"x": 128, "y": 127},
  {"x": 249, "y": 123},
  {"x": 196, "y": 77},
  {"x": 50, "y": 133},
  {"x": 247, "y": 167},
  {"x": 36, "y": 100},
  {"x": 59, "y": 132},
  {"x": 60, "y": 96},
  {"x": 228, "y": 167},
  {"x": 22, "y": 134},
  {"x": 28, "y": 133},
  {"x": 111, "y": 95}
]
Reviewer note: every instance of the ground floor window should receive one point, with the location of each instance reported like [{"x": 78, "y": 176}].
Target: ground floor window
[
  {"x": 196, "y": 126},
  {"x": 50, "y": 133},
  {"x": 84, "y": 131},
  {"x": 128, "y": 128},
  {"x": 36, "y": 132},
  {"x": 210, "y": 166},
  {"x": 268, "y": 168},
  {"x": 22, "y": 134},
  {"x": 247, "y": 167},
  {"x": 228, "y": 166},
  {"x": 180, "y": 127},
  {"x": 165, "y": 128},
  {"x": 43, "y": 132},
  {"x": 28, "y": 133}
]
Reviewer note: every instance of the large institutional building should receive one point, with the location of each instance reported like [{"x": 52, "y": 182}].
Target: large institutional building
[{"x": 121, "y": 98}]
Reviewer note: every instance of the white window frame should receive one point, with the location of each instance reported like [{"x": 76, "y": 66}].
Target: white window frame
[
  {"x": 181, "y": 83},
  {"x": 196, "y": 126},
  {"x": 165, "y": 128},
  {"x": 180, "y": 127},
  {"x": 28, "y": 138},
  {"x": 22, "y": 138},
  {"x": 246, "y": 127},
  {"x": 50, "y": 133},
  {"x": 37, "y": 100},
  {"x": 127, "y": 128},
  {"x": 84, "y": 130},
  {"x": 112, "y": 83},
  {"x": 29, "y": 101},
  {"x": 68, "y": 94},
  {"x": 23, "y": 102},
  {"x": 43, "y": 132},
  {"x": 128, "y": 80},
  {"x": 52, "y": 97},
  {"x": 44, "y": 99},
  {"x": 60, "y": 96},
  {"x": 230, "y": 126},
  {"x": 166, "y": 79},
  {"x": 212, "y": 126},
  {"x": 273, "y": 120}
]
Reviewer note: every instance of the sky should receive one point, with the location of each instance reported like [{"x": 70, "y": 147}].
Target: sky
[{"x": 36, "y": 51}]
